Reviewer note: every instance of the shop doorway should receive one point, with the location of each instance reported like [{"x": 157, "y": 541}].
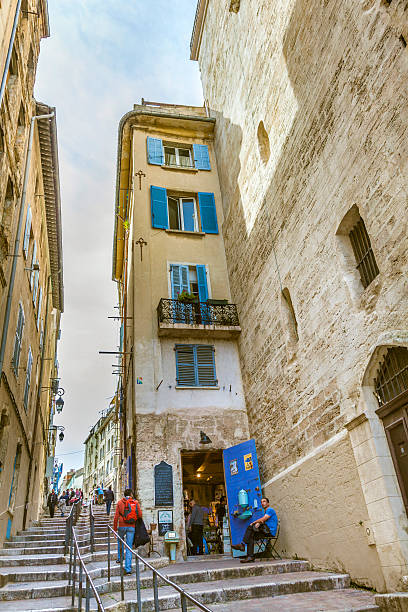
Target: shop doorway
[{"x": 203, "y": 481}]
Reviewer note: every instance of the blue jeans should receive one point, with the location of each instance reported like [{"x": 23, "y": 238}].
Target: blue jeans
[
  {"x": 127, "y": 534},
  {"x": 108, "y": 507}
]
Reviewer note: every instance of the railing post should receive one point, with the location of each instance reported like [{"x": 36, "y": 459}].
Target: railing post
[
  {"x": 155, "y": 593},
  {"x": 183, "y": 602},
  {"x": 109, "y": 556},
  {"x": 80, "y": 587},
  {"x": 70, "y": 563},
  {"x": 139, "y": 598},
  {"x": 122, "y": 590},
  {"x": 73, "y": 578},
  {"x": 87, "y": 595}
]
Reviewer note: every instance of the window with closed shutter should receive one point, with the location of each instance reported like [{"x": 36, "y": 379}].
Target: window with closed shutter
[{"x": 195, "y": 365}]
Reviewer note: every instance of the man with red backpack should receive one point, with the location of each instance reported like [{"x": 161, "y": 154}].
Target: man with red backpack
[{"x": 127, "y": 512}]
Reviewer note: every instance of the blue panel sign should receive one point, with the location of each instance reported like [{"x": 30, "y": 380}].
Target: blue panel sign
[{"x": 243, "y": 488}]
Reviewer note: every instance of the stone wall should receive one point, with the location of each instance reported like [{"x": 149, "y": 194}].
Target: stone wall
[{"x": 311, "y": 121}]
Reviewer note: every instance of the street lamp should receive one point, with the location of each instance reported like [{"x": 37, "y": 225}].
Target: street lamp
[
  {"x": 59, "y": 404},
  {"x": 59, "y": 428}
]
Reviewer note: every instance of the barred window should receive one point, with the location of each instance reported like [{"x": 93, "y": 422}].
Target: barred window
[
  {"x": 195, "y": 365},
  {"x": 361, "y": 245},
  {"x": 18, "y": 339},
  {"x": 392, "y": 375}
]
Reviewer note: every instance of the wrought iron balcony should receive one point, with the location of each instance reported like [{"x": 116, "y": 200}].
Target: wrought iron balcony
[{"x": 202, "y": 317}]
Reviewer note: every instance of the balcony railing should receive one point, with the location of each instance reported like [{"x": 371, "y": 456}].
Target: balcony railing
[{"x": 197, "y": 313}]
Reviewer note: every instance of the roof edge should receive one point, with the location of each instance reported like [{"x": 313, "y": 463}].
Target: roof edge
[{"x": 198, "y": 27}]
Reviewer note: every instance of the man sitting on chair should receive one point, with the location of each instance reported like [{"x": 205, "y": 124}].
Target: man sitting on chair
[{"x": 264, "y": 526}]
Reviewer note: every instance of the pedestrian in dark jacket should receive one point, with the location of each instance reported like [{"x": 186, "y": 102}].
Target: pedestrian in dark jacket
[
  {"x": 52, "y": 502},
  {"x": 109, "y": 498}
]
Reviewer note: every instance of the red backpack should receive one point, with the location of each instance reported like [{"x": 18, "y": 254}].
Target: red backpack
[{"x": 131, "y": 511}]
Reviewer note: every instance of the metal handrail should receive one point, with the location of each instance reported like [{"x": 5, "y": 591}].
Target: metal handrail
[
  {"x": 156, "y": 574},
  {"x": 74, "y": 553},
  {"x": 91, "y": 526},
  {"x": 70, "y": 522}
]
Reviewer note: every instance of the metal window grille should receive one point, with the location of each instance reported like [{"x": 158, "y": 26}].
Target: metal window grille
[
  {"x": 392, "y": 375},
  {"x": 366, "y": 264}
]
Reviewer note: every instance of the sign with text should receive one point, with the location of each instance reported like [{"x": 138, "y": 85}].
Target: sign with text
[{"x": 163, "y": 484}]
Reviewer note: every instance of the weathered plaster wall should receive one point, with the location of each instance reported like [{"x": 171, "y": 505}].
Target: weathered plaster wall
[
  {"x": 167, "y": 435},
  {"x": 327, "y": 79}
]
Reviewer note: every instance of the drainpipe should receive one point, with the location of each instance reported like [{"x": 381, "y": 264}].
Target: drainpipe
[
  {"x": 10, "y": 51},
  {"x": 18, "y": 239}
]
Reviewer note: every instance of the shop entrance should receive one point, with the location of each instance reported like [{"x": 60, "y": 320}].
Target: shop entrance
[{"x": 203, "y": 481}]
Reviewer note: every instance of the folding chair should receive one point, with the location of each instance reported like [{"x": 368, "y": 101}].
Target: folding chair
[{"x": 267, "y": 544}]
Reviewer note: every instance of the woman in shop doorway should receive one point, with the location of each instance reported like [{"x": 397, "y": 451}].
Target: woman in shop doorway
[{"x": 196, "y": 526}]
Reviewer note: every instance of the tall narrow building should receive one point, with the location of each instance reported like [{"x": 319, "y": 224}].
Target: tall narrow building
[
  {"x": 182, "y": 400},
  {"x": 31, "y": 285}
]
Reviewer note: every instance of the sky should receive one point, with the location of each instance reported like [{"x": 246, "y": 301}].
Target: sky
[{"x": 102, "y": 57}]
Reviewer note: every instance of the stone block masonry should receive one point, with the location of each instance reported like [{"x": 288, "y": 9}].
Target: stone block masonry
[{"x": 311, "y": 122}]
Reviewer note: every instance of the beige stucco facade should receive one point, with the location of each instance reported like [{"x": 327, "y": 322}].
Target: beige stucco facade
[
  {"x": 32, "y": 294},
  {"x": 161, "y": 417},
  {"x": 311, "y": 126},
  {"x": 102, "y": 455}
]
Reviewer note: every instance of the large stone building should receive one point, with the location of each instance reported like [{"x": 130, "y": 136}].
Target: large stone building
[
  {"x": 310, "y": 102},
  {"x": 182, "y": 397},
  {"x": 31, "y": 288},
  {"x": 102, "y": 454}
]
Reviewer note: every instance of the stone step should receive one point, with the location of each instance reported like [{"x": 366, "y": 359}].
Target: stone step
[
  {"x": 25, "y": 561},
  {"x": 249, "y": 588},
  {"x": 211, "y": 591},
  {"x": 344, "y": 600}
]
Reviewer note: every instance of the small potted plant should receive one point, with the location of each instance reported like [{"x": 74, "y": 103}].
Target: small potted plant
[{"x": 186, "y": 297}]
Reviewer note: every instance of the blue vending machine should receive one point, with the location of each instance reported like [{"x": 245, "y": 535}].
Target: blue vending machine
[{"x": 243, "y": 486}]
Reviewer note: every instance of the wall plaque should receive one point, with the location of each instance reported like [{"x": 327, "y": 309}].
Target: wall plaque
[
  {"x": 163, "y": 484},
  {"x": 165, "y": 521}
]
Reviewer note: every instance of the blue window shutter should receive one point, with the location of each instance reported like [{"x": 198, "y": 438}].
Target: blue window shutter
[
  {"x": 27, "y": 232},
  {"x": 201, "y": 157},
  {"x": 179, "y": 280},
  {"x": 208, "y": 213},
  {"x": 188, "y": 216},
  {"x": 185, "y": 365},
  {"x": 155, "y": 151},
  {"x": 202, "y": 283},
  {"x": 205, "y": 365},
  {"x": 158, "y": 199}
]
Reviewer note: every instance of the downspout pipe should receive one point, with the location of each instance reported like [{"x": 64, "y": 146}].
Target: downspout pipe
[
  {"x": 18, "y": 239},
  {"x": 9, "y": 52}
]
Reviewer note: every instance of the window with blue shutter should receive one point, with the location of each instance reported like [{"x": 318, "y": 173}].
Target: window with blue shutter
[
  {"x": 39, "y": 308},
  {"x": 179, "y": 280},
  {"x": 202, "y": 283},
  {"x": 18, "y": 339},
  {"x": 155, "y": 151},
  {"x": 201, "y": 157},
  {"x": 208, "y": 213},
  {"x": 28, "y": 378},
  {"x": 195, "y": 365},
  {"x": 158, "y": 198},
  {"x": 27, "y": 231},
  {"x": 33, "y": 261}
]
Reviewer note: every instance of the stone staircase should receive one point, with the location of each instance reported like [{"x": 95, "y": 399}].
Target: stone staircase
[{"x": 34, "y": 576}]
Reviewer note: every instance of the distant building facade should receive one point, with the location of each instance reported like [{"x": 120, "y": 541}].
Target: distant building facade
[
  {"x": 31, "y": 285},
  {"x": 102, "y": 455},
  {"x": 311, "y": 145},
  {"x": 182, "y": 399}
]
